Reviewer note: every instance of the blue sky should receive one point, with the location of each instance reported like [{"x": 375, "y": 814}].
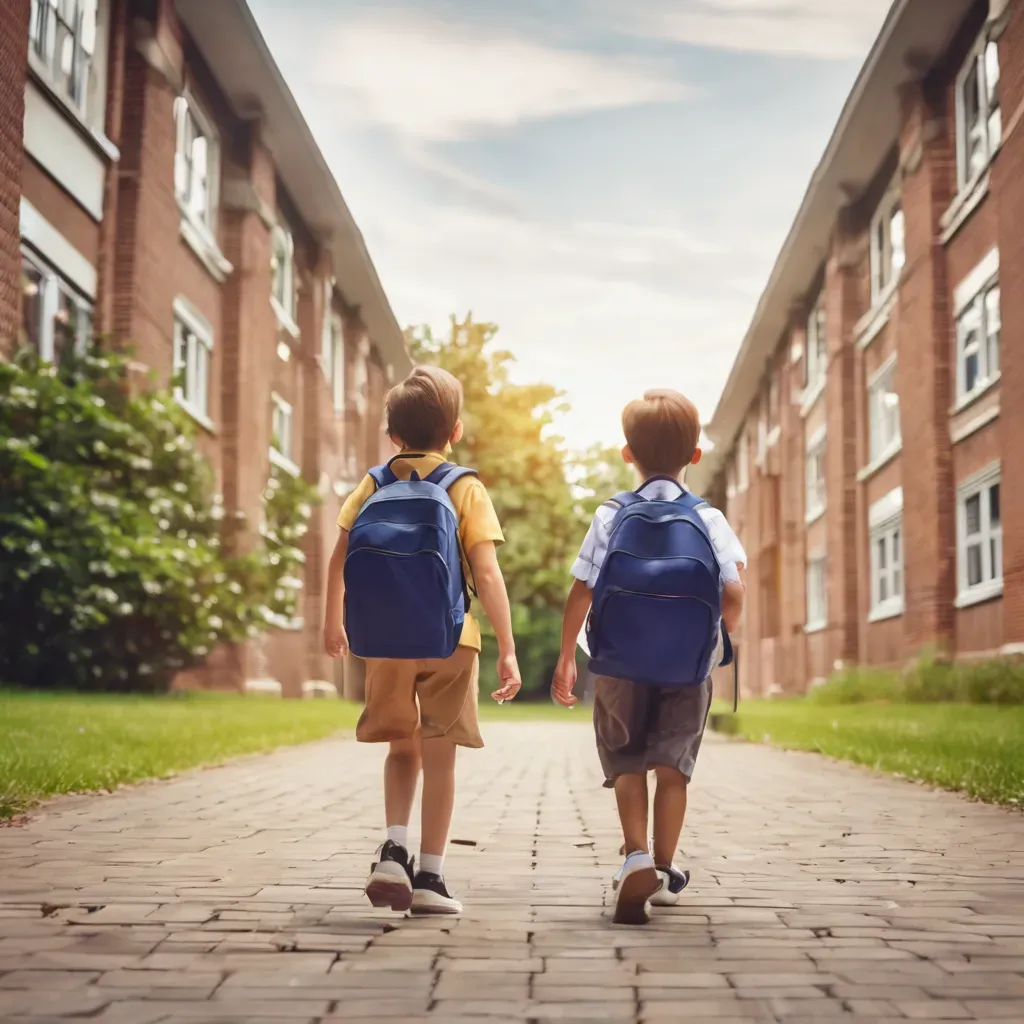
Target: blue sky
[{"x": 608, "y": 180}]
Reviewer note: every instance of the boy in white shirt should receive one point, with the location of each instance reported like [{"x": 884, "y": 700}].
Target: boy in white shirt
[{"x": 642, "y": 727}]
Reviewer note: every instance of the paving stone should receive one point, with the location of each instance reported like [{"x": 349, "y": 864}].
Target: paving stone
[{"x": 235, "y": 895}]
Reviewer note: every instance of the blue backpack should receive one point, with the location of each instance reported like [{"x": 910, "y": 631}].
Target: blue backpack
[
  {"x": 657, "y": 604},
  {"x": 405, "y": 592}
]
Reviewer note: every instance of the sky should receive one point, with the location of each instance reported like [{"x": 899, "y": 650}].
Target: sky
[{"x": 609, "y": 181}]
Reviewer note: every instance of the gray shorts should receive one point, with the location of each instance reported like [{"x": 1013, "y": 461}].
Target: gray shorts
[{"x": 640, "y": 727}]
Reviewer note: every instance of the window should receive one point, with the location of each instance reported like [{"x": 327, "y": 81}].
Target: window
[
  {"x": 888, "y": 247},
  {"x": 883, "y": 413},
  {"x": 816, "y": 489},
  {"x": 979, "y": 122},
  {"x": 816, "y": 357},
  {"x": 281, "y": 446},
  {"x": 62, "y": 34},
  {"x": 980, "y": 538},
  {"x": 978, "y": 329},
  {"x": 885, "y": 526},
  {"x": 195, "y": 164},
  {"x": 337, "y": 363},
  {"x": 193, "y": 344},
  {"x": 817, "y": 593},
  {"x": 56, "y": 319},
  {"x": 282, "y": 269},
  {"x": 742, "y": 475}
]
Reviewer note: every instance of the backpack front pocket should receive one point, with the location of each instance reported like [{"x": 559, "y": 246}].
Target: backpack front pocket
[
  {"x": 397, "y": 605},
  {"x": 654, "y": 639}
]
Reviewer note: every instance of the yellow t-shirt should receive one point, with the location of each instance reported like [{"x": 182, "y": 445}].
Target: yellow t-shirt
[{"x": 478, "y": 522}]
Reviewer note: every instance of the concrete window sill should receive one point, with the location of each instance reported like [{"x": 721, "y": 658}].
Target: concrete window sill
[{"x": 980, "y": 594}]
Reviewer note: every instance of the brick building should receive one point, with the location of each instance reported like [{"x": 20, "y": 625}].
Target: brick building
[
  {"x": 859, "y": 440},
  {"x": 172, "y": 196}
]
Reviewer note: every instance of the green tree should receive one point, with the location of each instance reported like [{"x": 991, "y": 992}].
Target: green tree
[
  {"x": 112, "y": 572},
  {"x": 509, "y": 440}
]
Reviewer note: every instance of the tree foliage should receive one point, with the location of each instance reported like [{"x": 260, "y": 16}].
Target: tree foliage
[
  {"x": 112, "y": 572},
  {"x": 510, "y": 441}
]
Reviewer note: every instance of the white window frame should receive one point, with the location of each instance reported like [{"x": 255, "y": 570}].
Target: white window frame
[
  {"x": 973, "y": 307},
  {"x": 193, "y": 356},
  {"x": 282, "y": 248},
  {"x": 326, "y": 338},
  {"x": 53, "y": 284},
  {"x": 886, "y": 259},
  {"x": 990, "y": 117},
  {"x": 816, "y": 350},
  {"x": 816, "y": 482},
  {"x": 338, "y": 366},
  {"x": 817, "y": 593},
  {"x": 185, "y": 107},
  {"x": 989, "y": 538},
  {"x": 881, "y": 448},
  {"x": 48, "y": 28},
  {"x": 887, "y": 546},
  {"x": 282, "y": 448},
  {"x": 742, "y": 467}
]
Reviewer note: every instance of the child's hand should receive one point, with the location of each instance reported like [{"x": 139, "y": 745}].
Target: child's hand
[
  {"x": 335, "y": 641},
  {"x": 508, "y": 673},
  {"x": 564, "y": 681}
]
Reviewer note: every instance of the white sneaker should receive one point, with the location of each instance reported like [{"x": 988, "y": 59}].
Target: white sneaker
[
  {"x": 673, "y": 882},
  {"x": 636, "y": 882}
]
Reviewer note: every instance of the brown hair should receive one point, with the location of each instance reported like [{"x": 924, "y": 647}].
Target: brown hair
[
  {"x": 662, "y": 430},
  {"x": 422, "y": 411}
]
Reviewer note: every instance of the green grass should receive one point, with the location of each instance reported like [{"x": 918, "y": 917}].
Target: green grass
[
  {"x": 68, "y": 743},
  {"x": 977, "y": 749}
]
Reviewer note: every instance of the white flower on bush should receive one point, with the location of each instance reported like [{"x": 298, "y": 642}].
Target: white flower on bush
[
  {"x": 216, "y": 622},
  {"x": 291, "y": 583},
  {"x": 124, "y": 608},
  {"x": 106, "y": 595},
  {"x": 142, "y": 464},
  {"x": 152, "y": 588},
  {"x": 235, "y": 588}
]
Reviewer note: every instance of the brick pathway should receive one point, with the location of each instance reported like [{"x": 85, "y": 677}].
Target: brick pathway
[{"x": 820, "y": 892}]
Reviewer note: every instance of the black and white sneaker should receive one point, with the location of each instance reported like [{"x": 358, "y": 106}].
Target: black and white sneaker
[
  {"x": 673, "y": 882},
  {"x": 635, "y": 884},
  {"x": 390, "y": 881},
  {"x": 431, "y": 896}
]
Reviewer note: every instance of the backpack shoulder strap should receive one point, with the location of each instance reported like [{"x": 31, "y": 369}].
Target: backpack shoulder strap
[
  {"x": 448, "y": 474},
  {"x": 691, "y": 501},
  {"x": 382, "y": 476}
]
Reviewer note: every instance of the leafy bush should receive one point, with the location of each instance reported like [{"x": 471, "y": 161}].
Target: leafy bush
[
  {"x": 928, "y": 680},
  {"x": 112, "y": 573}
]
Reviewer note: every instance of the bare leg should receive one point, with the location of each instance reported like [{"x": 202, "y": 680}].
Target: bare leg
[
  {"x": 401, "y": 774},
  {"x": 438, "y": 794},
  {"x": 631, "y": 797},
  {"x": 669, "y": 812}
]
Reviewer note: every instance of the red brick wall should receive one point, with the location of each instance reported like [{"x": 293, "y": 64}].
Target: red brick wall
[
  {"x": 923, "y": 376},
  {"x": 14, "y": 16},
  {"x": 1008, "y": 198}
]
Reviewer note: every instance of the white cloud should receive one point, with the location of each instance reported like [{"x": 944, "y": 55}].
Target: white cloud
[
  {"x": 432, "y": 80},
  {"x": 828, "y": 29}
]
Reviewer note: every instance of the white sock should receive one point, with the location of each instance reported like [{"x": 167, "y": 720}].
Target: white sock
[
  {"x": 399, "y": 834},
  {"x": 432, "y": 863}
]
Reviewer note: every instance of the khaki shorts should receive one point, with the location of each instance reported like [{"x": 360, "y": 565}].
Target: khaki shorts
[{"x": 434, "y": 698}]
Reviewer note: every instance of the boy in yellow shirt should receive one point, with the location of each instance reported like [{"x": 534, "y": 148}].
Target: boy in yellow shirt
[{"x": 425, "y": 708}]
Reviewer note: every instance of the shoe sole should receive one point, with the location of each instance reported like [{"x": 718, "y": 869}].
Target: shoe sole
[
  {"x": 426, "y": 903},
  {"x": 389, "y": 887},
  {"x": 632, "y": 896}
]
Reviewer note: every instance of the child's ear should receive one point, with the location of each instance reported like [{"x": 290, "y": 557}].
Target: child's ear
[
  {"x": 627, "y": 455},
  {"x": 697, "y": 456},
  {"x": 396, "y": 441},
  {"x": 457, "y": 433}
]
